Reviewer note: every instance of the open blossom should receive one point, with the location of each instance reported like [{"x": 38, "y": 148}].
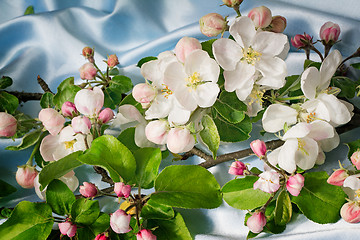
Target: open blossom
[
  {"x": 212, "y": 24},
  {"x": 52, "y": 120},
  {"x": 276, "y": 116},
  {"x": 89, "y": 101},
  {"x": 120, "y": 221},
  {"x": 194, "y": 83},
  {"x": 251, "y": 58},
  {"x": 256, "y": 222},
  {"x": 88, "y": 71},
  {"x": 350, "y": 212},
  {"x": 261, "y": 16},
  {"x": 122, "y": 190},
  {"x": 7, "y": 125},
  {"x": 294, "y": 184},
  {"x": 88, "y": 190},
  {"x": 67, "y": 229},
  {"x": 268, "y": 182},
  {"x": 329, "y": 32},
  {"x": 25, "y": 176},
  {"x": 81, "y": 124},
  {"x": 145, "y": 234},
  {"x": 180, "y": 140},
  {"x": 185, "y": 46},
  {"x": 237, "y": 168}
]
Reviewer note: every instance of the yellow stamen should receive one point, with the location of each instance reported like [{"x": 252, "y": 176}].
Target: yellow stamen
[
  {"x": 193, "y": 81},
  {"x": 166, "y": 91},
  {"x": 301, "y": 146},
  {"x": 357, "y": 193},
  {"x": 70, "y": 144},
  {"x": 256, "y": 96},
  {"x": 250, "y": 55}
]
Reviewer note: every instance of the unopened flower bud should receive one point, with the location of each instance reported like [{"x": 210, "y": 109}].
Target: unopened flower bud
[
  {"x": 355, "y": 159},
  {"x": 8, "y": 125},
  {"x": 52, "y": 120},
  {"x": 261, "y": 16},
  {"x": 278, "y": 24},
  {"x": 329, "y": 32},
  {"x": 338, "y": 177},
  {"x": 144, "y": 94},
  {"x": 301, "y": 40},
  {"x": 145, "y": 234},
  {"x": 212, "y": 24},
  {"x": 350, "y": 212},
  {"x": 106, "y": 115},
  {"x": 81, "y": 124},
  {"x": 157, "y": 131},
  {"x": 294, "y": 184},
  {"x": 25, "y": 176},
  {"x": 88, "y": 190},
  {"x": 232, "y": 3},
  {"x": 256, "y": 222},
  {"x": 122, "y": 190},
  {"x": 237, "y": 168},
  {"x": 88, "y": 71},
  {"x": 112, "y": 61},
  {"x": 89, "y": 101},
  {"x": 68, "y": 109},
  {"x": 120, "y": 221},
  {"x": 102, "y": 236},
  {"x": 180, "y": 140},
  {"x": 88, "y": 52},
  {"x": 185, "y": 46},
  {"x": 258, "y": 147},
  {"x": 67, "y": 229},
  {"x": 268, "y": 182}
]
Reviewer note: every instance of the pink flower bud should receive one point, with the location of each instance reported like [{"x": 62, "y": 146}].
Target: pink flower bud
[
  {"x": 144, "y": 94},
  {"x": 185, "y": 46},
  {"x": 120, "y": 221},
  {"x": 8, "y": 125},
  {"x": 112, "y": 61},
  {"x": 212, "y": 24},
  {"x": 301, "y": 40},
  {"x": 52, "y": 120},
  {"x": 68, "y": 109},
  {"x": 329, "y": 32},
  {"x": 102, "y": 236},
  {"x": 355, "y": 159},
  {"x": 180, "y": 140},
  {"x": 294, "y": 184},
  {"x": 25, "y": 176},
  {"x": 157, "y": 131},
  {"x": 261, "y": 16},
  {"x": 256, "y": 222},
  {"x": 81, "y": 124},
  {"x": 67, "y": 228},
  {"x": 87, "y": 52},
  {"x": 237, "y": 168},
  {"x": 350, "y": 212},
  {"x": 232, "y": 3},
  {"x": 278, "y": 24},
  {"x": 88, "y": 71},
  {"x": 258, "y": 147},
  {"x": 88, "y": 190},
  {"x": 145, "y": 234},
  {"x": 338, "y": 177},
  {"x": 268, "y": 182},
  {"x": 122, "y": 190},
  {"x": 89, "y": 101},
  {"x": 106, "y": 115}
]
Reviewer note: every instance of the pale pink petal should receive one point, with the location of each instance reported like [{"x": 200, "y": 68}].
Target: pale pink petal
[
  {"x": 199, "y": 61},
  {"x": 306, "y": 158},
  {"x": 227, "y": 53},
  {"x": 48, "y": 146},
  {"x": 321, "y": 130}
]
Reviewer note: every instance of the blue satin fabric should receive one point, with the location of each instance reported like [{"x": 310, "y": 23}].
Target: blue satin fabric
[{"x": 49, "y": 44}]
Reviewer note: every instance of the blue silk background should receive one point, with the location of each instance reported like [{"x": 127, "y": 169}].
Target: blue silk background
[{"x": 49, "y": 44}]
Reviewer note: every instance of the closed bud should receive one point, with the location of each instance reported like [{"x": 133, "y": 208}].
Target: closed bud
[
  {"x": 88, "y": 71},
  {"x": 261, "y": 16},
  {"x": 185, "y": 46},
  {"x": 144, "y": 94},
  {"x": 237, "y": 168},
  {"x": 278, "y": 24},
  {"x": 112, "y": 61},
  {"x": 256, "y": 222},
  {"x": 157, "y": 131},
  {"x": 52, "y": 120},
  {"x": 355, "y": 159},
  {"x": 212, "y": 24},
  {"x": 67, "y": 229},
  {"x": 120, "y": 222},
  {"x": 25, "y": 176},
  {"x": 106, "y": 115},
  {"x": 329, "y": 32},
  {"x": 180, "y": 140},
  {"x": 294, "y": 184},
  {"x": 88, "y": 190},
  {"x": 338, "y": 177},
  {"x": 122, "y": 190},
  {"x": 145, "y": 234},
  {"x": 258, "y": 147},
  {"x": 89, "y": 101},
  {"x": 81, "y": 124},
  {"x": 102, "y": 236},
  {"x": 350, "y": 212},
  {"x": 232, "y": 3},
  {"x": 301, "y": 40},
  {"x": 88, "y": 52},
  {"x": 8, "y": 125},
  {"x": 68, "y": 109}
]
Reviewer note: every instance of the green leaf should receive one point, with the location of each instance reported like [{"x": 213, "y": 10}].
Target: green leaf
[
  {"x": 292, "y": 84},
  {"x": 47, "y": 100},
  {"x": 308, "y": 63},
  {"x": 27, "y": 141},
  {"x": 59, "y": 197},
  {"x": 240, "y": 193},
  {"x": 147, "y": 166},
  {"x": 210, "y": 134},
  {"x": 5, "y": 212},
  {"x": 30, "y": 221},
  {"x": 187, "y": 187},
  {"x": 66, "y": 91},
  {"x": 356, "y": 65},
  {"x": 114, "y": 72},
  {"x": 59, "y": 168},
  {"x": 154, "y": 210},
  {"x": 29, "y": 10},
  {"x": 283, "y": 210},
  {"x": 319, "y": 201},
  {"x": 89, "y": 232},
  {"x": 129, "y": 99},
  {"x": 353, "y": 147},
  {"x": 230, "y": 107},
  {"x": 207, "y": 46},
  {"x": 127, "y": 137},
  {"x": 108, "y": 152},
  {"x": 6, "y": 189},
  {"x": 145, "y": 60},
  {"x": 118, "y": 86},
  {"x": 347, "y": 86},
  {"x": 5, "y": 82},
  {"x": 8, "y": 102},
  {"x": 230, "y": 132},
  {"x": 85, "y": 211},
  {"x": 173, "y": 229}
]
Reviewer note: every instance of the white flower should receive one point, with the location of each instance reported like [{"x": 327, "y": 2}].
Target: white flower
[
  {"x": 251, "y": 53},
  {"x": 276, "y": 115},
  {"x": 89, "y": 101},
  {"x": 268, "y": 182},
  {"x": 194, "y": 83}
]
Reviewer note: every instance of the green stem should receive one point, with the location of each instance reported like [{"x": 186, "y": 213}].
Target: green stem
[
  {"x": 289, "y": 98},
  {"x": 138, "y": 208},
  {"x": 36, "y": 147}
]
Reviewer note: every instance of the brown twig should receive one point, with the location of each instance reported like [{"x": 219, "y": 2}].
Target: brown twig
[
  {"x": 104, "y": 176},
  {"x": 43, "y": 85},
  {"x": 25, "y": 96}
]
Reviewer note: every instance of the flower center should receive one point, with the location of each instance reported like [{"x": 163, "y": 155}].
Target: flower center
[
  {"x": 332, "y": 90},
  {"x": 194, "y": 80},
  {"x": 166, "y": 91},
  {"x": 301, "y": 146},
  {"x": 70, "y": 144},
  {"x": 250, "y": 55},
  {"x": 357, "y": 194},
  {"x": 256, "y": 95}
]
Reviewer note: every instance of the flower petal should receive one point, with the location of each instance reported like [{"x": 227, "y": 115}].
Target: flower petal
[
  {"x": 328, "y": 68},
  {"x": 321, "y": 130},
  {"x": 330, "y": 143},
  {"x": 274, "y": 72},
  {"x": 310, "y": 80},
  {"x": 339, "y": 113},
  {"x": 227, "y": 53},
  {"x": 240, "y": 78},
  {"x": 306, "y": 158},
  {"x": 276, "y": 115},
  {"x": 200, "y": 62},
  {"x": 299, "y": 130},
  {"x": 243, "y": 31},
  {"x": 269, "y": 43},
  {"x": 205, "y": 94},
  {"x": 287, "y": 155}
]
